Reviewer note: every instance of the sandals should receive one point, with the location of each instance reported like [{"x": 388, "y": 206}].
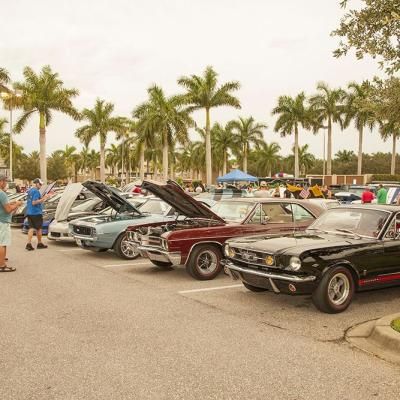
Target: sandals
[{"x": 7, "y": 269}]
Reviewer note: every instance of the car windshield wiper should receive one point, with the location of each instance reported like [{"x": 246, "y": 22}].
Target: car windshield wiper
[{"x": 348, "y": 231}]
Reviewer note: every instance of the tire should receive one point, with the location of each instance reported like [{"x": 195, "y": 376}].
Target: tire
[
  {"x": 254, "y": 288},
  {"x": 123, "y": 249},
  {"x": 161, "y": 264},
  {"x": 204, "y": 262},
  {"x": 335, "y": 291}
]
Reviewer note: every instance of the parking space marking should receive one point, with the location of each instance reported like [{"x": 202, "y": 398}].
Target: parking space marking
[
  {"x": 209, "y": 289},
  {"x": 126, "y": 265}
]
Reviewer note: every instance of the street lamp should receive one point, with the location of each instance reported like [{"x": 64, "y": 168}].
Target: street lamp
[{"x": 12, "y": 95}]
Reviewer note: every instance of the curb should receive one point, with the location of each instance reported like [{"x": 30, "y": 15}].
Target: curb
[{"x": 378, "y": 338}]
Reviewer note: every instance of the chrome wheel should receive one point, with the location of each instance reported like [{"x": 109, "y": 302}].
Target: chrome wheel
[
  {"x": 338, "y": 289},
  {"x": 128, "y": 250},
  {"x": 207, "y": 261}
]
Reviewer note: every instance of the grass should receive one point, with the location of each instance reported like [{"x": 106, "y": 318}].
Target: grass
[{"x": 396, "y": 324}]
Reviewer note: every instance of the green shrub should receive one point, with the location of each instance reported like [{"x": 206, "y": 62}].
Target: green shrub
[
  {"x": 396, "y": 324},
  {"x": 386, "y": 177}
]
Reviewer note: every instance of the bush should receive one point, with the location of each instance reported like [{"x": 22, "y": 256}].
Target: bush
[
  {"x": 396, "y": 324},
  {"x": 385, "y": 177}
]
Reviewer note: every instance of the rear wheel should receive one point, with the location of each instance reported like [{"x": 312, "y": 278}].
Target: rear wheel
[
  {"x": 125, "y": 249},
  {"x": 204, "y": 262},
  {"x": 253, "y": 288},
  {"x": 335, "y": 291},
  {"x": 161, "y": 264}
]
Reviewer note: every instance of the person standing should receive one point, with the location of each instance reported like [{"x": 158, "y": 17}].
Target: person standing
[
  {"x": 381, "y": 195},
  {"x": 34, "y": 211},
  {"x": 6, "y": 209},
  {"x": 367, "y": 196}
]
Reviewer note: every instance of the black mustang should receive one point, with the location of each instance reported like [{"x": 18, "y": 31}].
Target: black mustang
[{"x": 345, "y": 250}]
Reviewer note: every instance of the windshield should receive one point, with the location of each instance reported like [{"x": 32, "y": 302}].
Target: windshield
[
  {"x": 232, "y": 210},
  {"x": 86, "y": 205},
  {"x": 361, "y": 222}
]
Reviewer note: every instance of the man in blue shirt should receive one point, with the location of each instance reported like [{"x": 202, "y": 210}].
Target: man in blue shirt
[
  {"x": 6, "y": 209},
  {"x": 34, "y": 213}
]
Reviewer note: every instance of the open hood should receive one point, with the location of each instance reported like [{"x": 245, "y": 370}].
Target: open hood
[
  {"x": 67, "y": 199},
  {"x": 111, "y": 197},
  {"x": 183, "y": 203}
]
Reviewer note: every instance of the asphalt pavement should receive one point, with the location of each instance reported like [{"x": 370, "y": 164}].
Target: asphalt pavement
[{"x": 82, "y": 325}]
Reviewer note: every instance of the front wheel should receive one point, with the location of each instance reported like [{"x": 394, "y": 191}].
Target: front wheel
[
  {"x": 204, "y": 262},
  {"x": 335, "y": 291},
  {"x": 125, "y": 249},
  {"x": 254, "y": 288}
]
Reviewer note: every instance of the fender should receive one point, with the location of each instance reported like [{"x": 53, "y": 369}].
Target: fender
[
  {"x": 344, "y": 263},
  {"x": 219, "y": 245}
]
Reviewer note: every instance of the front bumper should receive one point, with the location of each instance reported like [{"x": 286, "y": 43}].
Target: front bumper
[
  {"x": 60, "y": 232},
  {"x": 156, "y": 254},
  {"x": 273, "y": 281}
]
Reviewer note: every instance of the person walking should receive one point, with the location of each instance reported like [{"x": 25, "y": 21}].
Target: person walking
[
  {"x": 367, "y": 196},
  {"x": 6, "y": 209},
  {"x": 381, "y": 195},
  {"x": 34, "y": 213}
]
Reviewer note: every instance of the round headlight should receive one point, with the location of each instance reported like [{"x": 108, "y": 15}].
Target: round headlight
[
  {"x": 229, "y": 252},
  {"x": 295, "y": 263},
  {"x": 269, "y": 260}
]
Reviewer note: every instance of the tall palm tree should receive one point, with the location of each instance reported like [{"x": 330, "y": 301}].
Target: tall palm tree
[
  {"x": 223, "y": 141},
  {"x": 391, "y": 129},
  {"x": 100, "y": 123},
  {"x": 247, "y": 132},
  {"x": 83, "y": 160},
  {"x": 203, "y": 92},
  {"x": 356, "y": 110},
  {"x": 293, "y": 113},
  {"x": 113, "y": 158},
  {"x": 328, "y": 106},
  {"x": 166, "y": 117},
  {"x": 71, "y": 158},
  {"x": 267, "y": 157},
  {"x": 93, "y": 161},
  {"x": 44, "y": 93}
]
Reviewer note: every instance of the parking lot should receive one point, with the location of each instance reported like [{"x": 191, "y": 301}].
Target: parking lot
[{"x": 83, "y": 325}]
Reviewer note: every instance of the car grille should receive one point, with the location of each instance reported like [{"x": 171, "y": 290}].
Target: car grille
[
  {"x": 55, "y": 234},
  {"x": 82, "y": 230},
  {"x": 146, "y": 240},
  {"x": 251, "y": 257}
]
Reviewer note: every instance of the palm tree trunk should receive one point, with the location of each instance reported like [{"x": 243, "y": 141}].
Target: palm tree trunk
[
  {"x": 102, "y": 161},
  {"x": 393, "y": 163},
  {"x": 245, "y": 158},
  {"x": 42, "y": 143},
  {"x": 296, "y": 152},
  {"x": 360, "y": 151},
  {"x": 329, "y": 151},
  {"x": 172, "y": 171},
  {"x": 208, "y": 149},
  {"x": 224, "y": 168},
  {"x": 165, "y": 156},
  {"x": 141, "y": 162}
]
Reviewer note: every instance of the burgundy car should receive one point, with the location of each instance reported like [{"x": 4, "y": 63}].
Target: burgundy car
[{"x": 196, "y": 238}]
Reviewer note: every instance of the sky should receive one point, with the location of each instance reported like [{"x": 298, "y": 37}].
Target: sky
[{"x": 114, "y": 50}]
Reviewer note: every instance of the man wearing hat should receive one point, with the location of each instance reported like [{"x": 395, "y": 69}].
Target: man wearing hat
[
  {"x": 6, "y": 209},
  {"x": 34, "y": 213},
  {"x": 264, "y": 190}
]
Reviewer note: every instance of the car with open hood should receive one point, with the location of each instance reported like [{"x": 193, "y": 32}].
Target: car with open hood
[
  {"x": 106, "y": 231},
  {"x": 196, "y": 241},
  {"x": 347, "y": 249}
]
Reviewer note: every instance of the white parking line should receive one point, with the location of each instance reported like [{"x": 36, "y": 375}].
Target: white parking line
[
  {"x": 209, "y": 289},
  {"x": 126, "y": 265}
]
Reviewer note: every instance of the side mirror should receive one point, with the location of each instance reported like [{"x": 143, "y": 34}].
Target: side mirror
[{"x": 266, "y": 219}]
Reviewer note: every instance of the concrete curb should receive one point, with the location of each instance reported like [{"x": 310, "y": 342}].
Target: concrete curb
[{"x": 377, "y": 337}]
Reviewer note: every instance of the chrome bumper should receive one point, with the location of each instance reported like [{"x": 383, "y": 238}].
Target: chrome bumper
[
  {"x": 155, "y": 254},
  {"x": 85, "y": 238}
]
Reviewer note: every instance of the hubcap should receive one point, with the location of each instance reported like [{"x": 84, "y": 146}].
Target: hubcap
[
  {"x": 127, "y": 249},
  {"x": 207, "y": 262},
  {"x": 339, "y": 289}
]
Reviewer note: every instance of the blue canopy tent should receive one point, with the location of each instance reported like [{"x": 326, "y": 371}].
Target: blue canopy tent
[{"x": 237, "y": 176}]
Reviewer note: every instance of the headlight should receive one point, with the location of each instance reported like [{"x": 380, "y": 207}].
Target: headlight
[
  {"x": 295, "y": 263},
  {"x": 229, "y": 252},
  {"x": 164, "y": 244},
  {"x": 269, "y": 260}
]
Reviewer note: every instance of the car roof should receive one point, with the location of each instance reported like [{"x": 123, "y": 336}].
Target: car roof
[{"x": 377, "y": 207}]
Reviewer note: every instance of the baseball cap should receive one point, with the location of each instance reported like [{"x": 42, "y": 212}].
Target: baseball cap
[
  {"x": 3, "y": 178},
  {"x": 38, "y": 180}
]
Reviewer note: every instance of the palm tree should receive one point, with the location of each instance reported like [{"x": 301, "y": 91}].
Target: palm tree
[
  {"x": 164, "y": 116},
  {"x": 44, "y": 93},
  {"x": 223, "y": 140},
  {"x": 293, "y": 113},
  {"x": 4, "y": 79},
  {"x": 328, "y": 106},
  {"x": 356, "y": 110},
  {"x": 267, "y": 157},
  {"x": 71, "y": 158},
  {"x": 83, "y": 160},
  {"x": 93, "y": 160},
  {"x": 247, "y": 132},
  {"x": 391, "y": 129},
  {"x": 100, "y": 123},
  {"x": 203, "y": 92},
  {"x": 113, "y": 157},
  {"x": 345, "y": 156}
]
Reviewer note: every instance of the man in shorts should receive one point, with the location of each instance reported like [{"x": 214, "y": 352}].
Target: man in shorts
[
  {"x": 6, "y": 209},
  {"x": 34, "y": 213}
]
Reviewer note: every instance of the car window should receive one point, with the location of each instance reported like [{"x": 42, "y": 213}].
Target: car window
[
  {"x": 272, "y": 213},
  {"x": 232, "y": 210},
  {"x": 393, "y": 230},
  {"x": 300, "y": 214}
]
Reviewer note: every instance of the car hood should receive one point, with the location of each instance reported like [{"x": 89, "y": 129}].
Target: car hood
[
  {"x": 111, "y": 197},
  {"x": 295, "y": 243},
  {"x": 183, "y": 203},
  {"x": 67, "y": 199}
]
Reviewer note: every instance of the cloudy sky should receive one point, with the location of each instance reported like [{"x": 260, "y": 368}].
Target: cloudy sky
[{"x": 116, "y": 49}]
